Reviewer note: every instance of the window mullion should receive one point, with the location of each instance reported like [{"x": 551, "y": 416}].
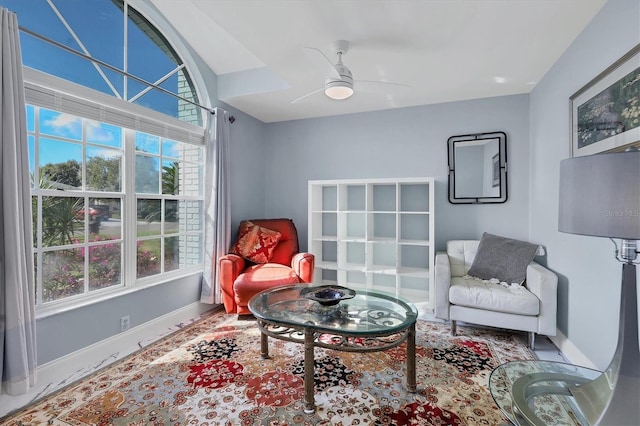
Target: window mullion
[
  {"x": 38, "y": 251},
  {"x": 162, "y": 226},
  {"x": 35, "y": 191},
  {"x": 155, "y": 83},
  {"x": 125, "y": 49},
  {"x": 129, "y": 215}
]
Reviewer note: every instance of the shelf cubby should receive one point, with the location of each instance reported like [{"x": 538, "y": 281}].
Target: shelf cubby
[
  {"x": 414, "y": 197},
  {"x": 329, "y": 225},
  {"x": 383, "y": 225},
  {"x": 329, "y": 251},
  {"x": 384, "y": 282},
  {"x": 329, "y": 198},
  {"x": 354, "y": 197},
  {"x": 414, "y": 256},
  {"x": 353, "y": 225},
  {"x": 383, "y": 254},
  {"x": 414, "y": 227},
  {"x": 329, "y": 276},
  {"x": 383, "y": 196},
  {"x": 354, "y": 254},
  {"x": 356, "y": 280}
]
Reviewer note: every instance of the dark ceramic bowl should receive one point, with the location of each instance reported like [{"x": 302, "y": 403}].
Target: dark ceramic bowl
[{"x": 328, "y": 295}]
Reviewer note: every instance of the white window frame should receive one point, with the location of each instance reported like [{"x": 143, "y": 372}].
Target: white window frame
[{"x": 47, "y": 91}]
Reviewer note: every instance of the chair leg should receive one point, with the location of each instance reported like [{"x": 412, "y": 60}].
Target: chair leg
[
  {"x": 454, "y": 327},
  {"x": 532, "y": 340}
]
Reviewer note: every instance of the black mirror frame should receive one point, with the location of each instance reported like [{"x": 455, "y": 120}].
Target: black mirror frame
[{"x": 502, "y": 164}]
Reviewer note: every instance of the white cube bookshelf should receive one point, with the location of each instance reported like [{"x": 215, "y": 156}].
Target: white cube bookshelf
[{"x": 374, "y": 234}]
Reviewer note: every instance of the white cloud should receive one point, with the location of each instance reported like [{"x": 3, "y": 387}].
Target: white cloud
[
  {"x": 107, "y": 154},
  {"x": 95, "y": 132},
  {"x": 66, "y": 124}
]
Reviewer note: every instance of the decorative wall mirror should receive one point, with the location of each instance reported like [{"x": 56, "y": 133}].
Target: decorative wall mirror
[{"x": 478, "y": 168}]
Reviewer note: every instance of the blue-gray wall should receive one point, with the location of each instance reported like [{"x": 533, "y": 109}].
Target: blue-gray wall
[
  {"x": 407, "y": 142},
  {"x": 589, "y": 284},
  {"x": 69, "y": 331}
]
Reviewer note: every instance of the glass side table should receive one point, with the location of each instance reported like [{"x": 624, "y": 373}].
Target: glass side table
[{"x": 536, "y": 393}]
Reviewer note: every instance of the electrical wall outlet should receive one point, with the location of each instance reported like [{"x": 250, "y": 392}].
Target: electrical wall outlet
[{"x": 124, "y": 323}]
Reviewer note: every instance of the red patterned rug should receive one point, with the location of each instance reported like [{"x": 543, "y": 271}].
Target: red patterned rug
[{"x": 211, "y": 373}]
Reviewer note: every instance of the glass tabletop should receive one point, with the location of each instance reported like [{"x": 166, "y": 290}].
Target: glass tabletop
[
  {"x": 367, "y": 313},
  {"x": 537, "y": 392}
]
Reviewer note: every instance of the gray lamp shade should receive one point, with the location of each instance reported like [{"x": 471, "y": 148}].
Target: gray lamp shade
[{"x": 600, "y": 195}]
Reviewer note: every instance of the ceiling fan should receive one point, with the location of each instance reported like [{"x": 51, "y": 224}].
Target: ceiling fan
[{"x": 339, "y": 84}]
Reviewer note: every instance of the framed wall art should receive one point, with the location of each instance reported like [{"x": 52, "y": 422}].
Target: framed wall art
[{"x": 605, "y": 114}]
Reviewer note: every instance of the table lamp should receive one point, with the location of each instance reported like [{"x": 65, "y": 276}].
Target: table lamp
[{"x": 600, "y": 197}]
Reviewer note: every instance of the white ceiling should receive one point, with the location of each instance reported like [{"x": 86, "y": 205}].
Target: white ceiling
[{"x": 445, "y": 50}]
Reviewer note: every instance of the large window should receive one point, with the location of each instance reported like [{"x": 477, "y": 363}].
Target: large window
[
  {"x": 116, "y": 152},
  {"x": 91, "y": 221}
]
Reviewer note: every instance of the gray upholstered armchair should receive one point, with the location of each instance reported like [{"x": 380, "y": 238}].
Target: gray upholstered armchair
[{"x": 530, "y": 307}]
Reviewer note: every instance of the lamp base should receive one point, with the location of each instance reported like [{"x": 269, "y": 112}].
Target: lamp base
[{"x": 614, "y": 397}]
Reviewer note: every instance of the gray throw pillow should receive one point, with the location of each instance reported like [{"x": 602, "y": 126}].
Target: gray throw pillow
[{"x": 503, "y": 258}]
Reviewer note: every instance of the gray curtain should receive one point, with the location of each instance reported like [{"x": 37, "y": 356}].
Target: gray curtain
[
  {"x": 17, "y": 300},
  {"x": 217, "y": 203}
]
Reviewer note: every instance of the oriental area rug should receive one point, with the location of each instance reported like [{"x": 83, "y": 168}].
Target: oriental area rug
[{"x": 211, "y": 373}]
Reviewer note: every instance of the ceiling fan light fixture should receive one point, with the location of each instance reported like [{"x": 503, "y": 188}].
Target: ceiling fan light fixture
[{"x": 338, "y": 89}]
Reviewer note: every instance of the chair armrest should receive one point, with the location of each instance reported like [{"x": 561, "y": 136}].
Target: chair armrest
[
  {"x": 229, "y": 267},
  {"x": 544, "y": 284},
  {"x": 442, "y": 283},
  {"x": 303, "y": 265}
]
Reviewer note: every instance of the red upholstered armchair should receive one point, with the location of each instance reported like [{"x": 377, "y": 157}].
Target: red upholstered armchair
[{"x": 240, "y": 279}]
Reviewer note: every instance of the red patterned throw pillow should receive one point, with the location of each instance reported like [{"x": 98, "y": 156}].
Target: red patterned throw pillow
[{"x": 255, "y": 243}]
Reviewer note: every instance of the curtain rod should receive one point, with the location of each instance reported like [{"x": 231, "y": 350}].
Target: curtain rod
[{"x": 119, "y": 71}]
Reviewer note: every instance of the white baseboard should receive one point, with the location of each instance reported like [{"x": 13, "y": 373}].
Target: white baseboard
[
  {"x": 69, "y": 368},
  {"x": 571, "y": 351}
]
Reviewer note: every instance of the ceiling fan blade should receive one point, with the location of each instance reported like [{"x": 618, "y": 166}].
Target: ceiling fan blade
[
  {"x": 376, "y": 86},
  {"x": 307, "y": 95},
  {"x": 334, "y": 72}
]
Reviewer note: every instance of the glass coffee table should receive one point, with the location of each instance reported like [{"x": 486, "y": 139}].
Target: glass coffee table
[
  {"x": 538, "y": 393},
  {"x": 369, "y": 321}
]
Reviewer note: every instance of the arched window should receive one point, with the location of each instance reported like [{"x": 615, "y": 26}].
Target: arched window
[
  {"x": 119, "y": 38},
  {"x": 116, "y": 150}
]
